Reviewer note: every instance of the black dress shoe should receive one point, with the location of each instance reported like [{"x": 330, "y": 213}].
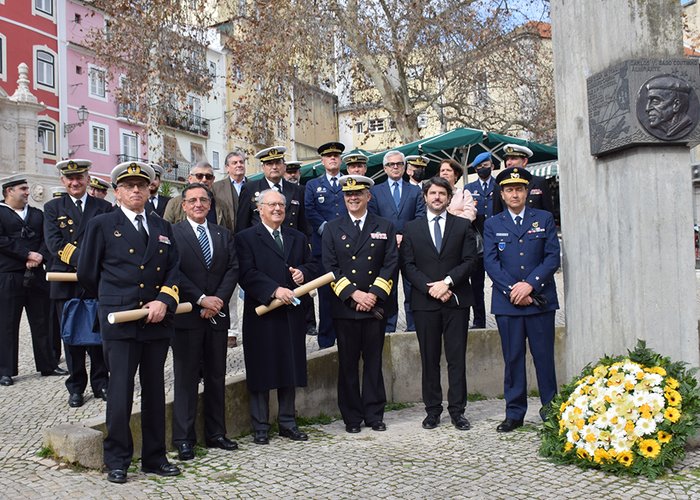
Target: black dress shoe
[
  {"x": 431, "y": 421},
  {"x": 509, "y": 425},
  {"x": 6, "y": 380},
  {"x": 378, "y": 426},
  {"x": 261, "y": 437},
  {"x": 117, "y": 476},
  {"x": 352, "y": 429},
  {"x": 166, "y": 469},
  {"x": 101, "y": 394},
  {"x": 75, "y": 400},
  {"x": 223, "y": 443},
  {"x": 56, "y": 372},
  {"x": 477, "y": 326},
  {"x": 312, "y": 332},
  {"x": 461, "y": 423},
  {"x": 185, "y": 451},
  {"x": 294, "y": 434}
]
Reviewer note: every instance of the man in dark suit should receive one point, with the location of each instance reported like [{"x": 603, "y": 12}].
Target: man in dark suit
[
  {"x": 521, "y": 255},
  {"x": 273, "y": 260},
  {"x": 156, "y": 202},
  {"x": 539, "y": 196},
  {"x": 484, "y": 190},
  {"x": 400, "y": 202},
  {"x": 130, "y": 261},
  {"x": 219, "y": 213},
  {"x": 22, "y": 281},
  {"x": 437, "y": 254},
  {"x": 273, "y": 167},
  {"x": 360, "y": 250},
  {"x": 208, "y": 276},
  {"x": 65, "y": 221},
  {"x": 98, "y": 188},
  {"x": 323, "y": 200}
]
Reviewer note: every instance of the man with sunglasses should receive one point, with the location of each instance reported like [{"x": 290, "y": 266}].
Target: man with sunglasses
[{"x": 219, "y": 213}]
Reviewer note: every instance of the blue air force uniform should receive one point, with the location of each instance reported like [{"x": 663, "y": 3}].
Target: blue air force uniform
[
  {"x": 528, "y": 252},
  {"x": 323, "y": 203}
]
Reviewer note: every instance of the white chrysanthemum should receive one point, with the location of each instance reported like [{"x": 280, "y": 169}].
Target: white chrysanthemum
[
  {"x": 571, "y": 434},
  {"x": 619, "y": 442},
  {"x": 603, "y": 421},
  {"x": 645, "y": 426},
  {"x": 653, "y": 379},
  {"x": 581, "y": 402}
]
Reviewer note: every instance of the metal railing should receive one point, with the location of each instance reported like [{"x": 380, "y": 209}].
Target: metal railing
[{"x": 187, "y": 121}]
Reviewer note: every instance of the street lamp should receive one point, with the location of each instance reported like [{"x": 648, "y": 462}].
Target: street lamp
[{"x": 82, "y": 116}]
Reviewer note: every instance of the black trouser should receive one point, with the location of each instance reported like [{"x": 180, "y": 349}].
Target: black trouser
[
  {"x": 477, "y": 278},
  {"x": 75, "y": 362},
  {"x": 260, "y": 408},
  {"x": 194, "y": 350},
  {"x": 35, "y": 301},
  {"x": 123, "y": 358},
  {"x": 448, "y": 325},
  {"x": 360, "y": 338}
]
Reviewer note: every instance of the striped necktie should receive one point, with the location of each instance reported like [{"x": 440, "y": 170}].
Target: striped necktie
[{"x": 204, "y": 243}]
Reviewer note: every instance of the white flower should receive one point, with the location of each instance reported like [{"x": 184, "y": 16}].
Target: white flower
[{"x": 645, "y": 426}]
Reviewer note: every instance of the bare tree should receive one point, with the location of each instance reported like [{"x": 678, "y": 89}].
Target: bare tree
[
  {"x": 466, "y": 60},
  {"x": 159, "y": 47}
]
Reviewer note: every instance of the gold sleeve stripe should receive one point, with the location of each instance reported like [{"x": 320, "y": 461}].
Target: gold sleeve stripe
[
  {"x": 384, "y": 284},
  {"x": 173, "y": 291},
  {"x": 67, "y": 253},
  {"x": 340, "y": 285}
]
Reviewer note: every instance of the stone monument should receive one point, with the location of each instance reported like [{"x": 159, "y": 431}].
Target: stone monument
[{"x": 627, "y": 216}]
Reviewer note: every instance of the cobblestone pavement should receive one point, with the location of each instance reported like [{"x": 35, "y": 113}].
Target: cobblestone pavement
[{"x": 403, "y": 462}]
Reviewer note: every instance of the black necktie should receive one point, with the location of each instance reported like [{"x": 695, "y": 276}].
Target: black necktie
[
  {"x": 278, "y": 240},
  {"x": 518, "y": 220},
  {"x": 278, "y": 187},
  {"x": 438, "y": 233},
  {"x": 141, "y": 228},
  {"x": 153, "y": 201},
  {"x": 334, "y": 182},
  {"x": 79, "y": 204},
  {"x": 357, "y": 225}
]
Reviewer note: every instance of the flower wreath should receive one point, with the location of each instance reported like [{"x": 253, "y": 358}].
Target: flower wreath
[{"x": 627, "y": 415}]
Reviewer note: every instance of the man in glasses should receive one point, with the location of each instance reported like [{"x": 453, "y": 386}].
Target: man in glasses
[
  {"x": 400, "y": 202},
  {"x": 130, "y": 261},
  {"x": 156, "y": 201},
  {"x": 219, "y": 213},
  {"x": 209, "y": 273}
]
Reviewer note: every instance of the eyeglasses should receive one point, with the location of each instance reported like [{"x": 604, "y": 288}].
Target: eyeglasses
[
  {"x": 193, "y": 201},
  {"x": 131, "y": 185},
  {"x": 199, "y": 177},
  {"x": 397, "y": 164},
  {"x": 273, "y": 204}
]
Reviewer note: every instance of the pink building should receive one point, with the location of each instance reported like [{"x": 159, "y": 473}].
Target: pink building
[{"x": 106, "y": 137}]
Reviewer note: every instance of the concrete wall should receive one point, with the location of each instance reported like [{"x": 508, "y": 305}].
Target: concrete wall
[
  {"x": 402, "y": 378},
  {"x": 627, "y": 218}
]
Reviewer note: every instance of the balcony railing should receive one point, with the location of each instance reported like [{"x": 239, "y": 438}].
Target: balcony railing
[
  {"x": 123, "y": 158},
  {"x": 177, "y": 172},
  {"x": 126, "y": 110},
  {"x": 188, "y": 122}
]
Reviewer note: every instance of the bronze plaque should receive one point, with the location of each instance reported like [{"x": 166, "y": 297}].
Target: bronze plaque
[{"x": 644, "y": 101}]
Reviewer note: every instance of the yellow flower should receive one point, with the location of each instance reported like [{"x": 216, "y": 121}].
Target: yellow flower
[
  {"x": 580, "y": 423},
  {"x": 649, "y": 448},
  {"x": 629, "y": 426},
  {"x": 600, "y": 371},
  {"x": 645, "y": 410},
  {"x": 600, "y": 455},
  {"x": 673, "y": 397},
  {"x": 672, "y": 415},
  {"x": 640, "y": 375},
  {"x": 583, "y": 454},
  {"x": 563, "y": 407},
  {"x": 629, "y": 385},
  {"x": 664, "y": 437},
  {"x": 672, "y": 383},
  {"x": 568, "y": 446},
  {"x": 625, "y": 458},
  {"x": 590, "y": 437},
  {"x": 612, "y": 452},
  {"x": 658, "y": 370}
]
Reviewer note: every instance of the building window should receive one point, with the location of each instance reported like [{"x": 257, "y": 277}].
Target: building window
[
  {"x": 215, "y": 160},
  {"x": 45, "y": 69},
  {"x": 47, "y": 137},
  {"x": 98, "y": 138},
  {"x": 422, "y": 120},
  {"x": 376, "y": 125},
  {"x": 392, "y": 124},
  {"x": 3, "y": 57},
  {"x": 97, "y": 78},
  {"x": 212, "y": 69},
  {"x": 44, "y": 7},
  {"x": 129, "y": 146},
  {"x": 359, "y": 127}
]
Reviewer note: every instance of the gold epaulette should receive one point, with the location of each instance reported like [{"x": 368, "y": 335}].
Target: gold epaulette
[
  {"x": 67, "y": 253},
  {"x": 173, "y": 291}
]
